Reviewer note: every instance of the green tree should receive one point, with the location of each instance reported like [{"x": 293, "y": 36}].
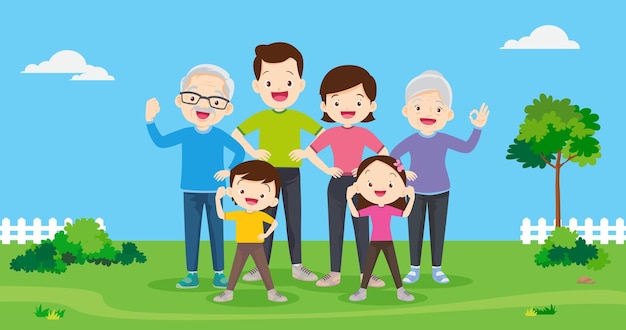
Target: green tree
[{"x": 554, "y": 133}]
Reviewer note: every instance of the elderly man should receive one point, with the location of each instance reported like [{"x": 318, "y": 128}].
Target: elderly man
[{"x": 204, "y": 100}]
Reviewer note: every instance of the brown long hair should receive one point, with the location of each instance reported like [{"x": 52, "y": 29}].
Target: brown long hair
[
  {"x": 275, "y": 53},
  {"x": 345, "y": 77},
  {"x": 399, "y": 203}
]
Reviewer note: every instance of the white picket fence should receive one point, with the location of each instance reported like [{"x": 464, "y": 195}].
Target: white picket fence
[
  {"x": 36, "y": 232},
  {"x": 588, "y": 231}
]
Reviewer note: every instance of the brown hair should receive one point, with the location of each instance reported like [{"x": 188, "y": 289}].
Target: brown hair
[
  {"x": 345, "y": 77},
  {"x": 257, "y": 170},
  {"x": 275, "y": 53},
  {"x": 399, "y": 203}
]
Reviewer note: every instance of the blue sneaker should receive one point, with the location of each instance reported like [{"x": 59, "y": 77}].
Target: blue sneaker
[
  {"x": 439, "y": 276},
  {"x": 189, "y": 282},
  {"x": 220, "y": 281},
  {"x": 412, "y": 276}
]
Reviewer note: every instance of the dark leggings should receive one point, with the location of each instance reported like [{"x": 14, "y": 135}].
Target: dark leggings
[{"x": 392, "y": 261}]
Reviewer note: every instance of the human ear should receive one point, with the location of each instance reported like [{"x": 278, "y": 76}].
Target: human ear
[
  {"x": 302, "y": 84},
  {"x": 255, "y": 86},
  {"x": 274, "y": 202},
  {"x": 405, "y": 111},
  {"x": 178, "y": 101},
  {"x": 229, "y": 109},
  {"x": 323, "y": 106},
  {"x": 229, "y": 192},
  {"x": 450, "y": 115},
  {"x": 373, "y": 106}
]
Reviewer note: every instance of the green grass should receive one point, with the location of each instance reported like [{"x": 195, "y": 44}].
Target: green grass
[
  {"x": 492, "y": 284},
  {"x": 548, "y": 310}
]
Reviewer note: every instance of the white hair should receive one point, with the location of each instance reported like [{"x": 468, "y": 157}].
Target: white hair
[
  {"x": 427, "y": 81},
  {"x": 229, "y": 84}
]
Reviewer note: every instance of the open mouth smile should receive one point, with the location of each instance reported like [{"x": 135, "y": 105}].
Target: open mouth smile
[
  {"x": 280, "y": 96},
  {"x": 251, "y": 201},
  {"x": 203, "y": 115},
  {"x": 428, "y": 121},
  {"x": 347, "y": 114},
  {"x": 380, "y": 193}
]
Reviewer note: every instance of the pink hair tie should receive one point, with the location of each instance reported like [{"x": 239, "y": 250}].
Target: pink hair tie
[{"x": 398, "y": 165}]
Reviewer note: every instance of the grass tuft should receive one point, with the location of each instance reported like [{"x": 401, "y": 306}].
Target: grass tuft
[{"x": 549, "y": 310}]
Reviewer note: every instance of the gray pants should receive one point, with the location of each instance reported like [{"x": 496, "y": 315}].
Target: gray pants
[
  {"x": 437, "y": 215},
  {"x": 336, "y": 222},
  {"x": 290, "y": 190}
]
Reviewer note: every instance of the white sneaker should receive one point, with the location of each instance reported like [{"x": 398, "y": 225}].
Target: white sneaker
[
  {"x": 302, "y": 273},
  {"x": 374, "y": 282},
  {"x": 274, "y": 296},
  {"x": 404, "y": 295},
  {"x": 331, "y": 279},
  {"x": 225, "y": 296},
  {"x": 253, "y": 275}
]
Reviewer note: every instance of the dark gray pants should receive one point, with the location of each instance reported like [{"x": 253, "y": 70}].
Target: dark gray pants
[
  {"x": 290, "y": 190},
  {"x": 336, "y": 222},
  {"x": 437, "y": 214}
]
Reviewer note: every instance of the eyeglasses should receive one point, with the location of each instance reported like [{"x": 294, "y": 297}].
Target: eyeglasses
[{"x": 216, "y": 102}]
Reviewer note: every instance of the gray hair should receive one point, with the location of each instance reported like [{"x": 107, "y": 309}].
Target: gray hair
[
  {"x": 229, "y": 84},
  {"x": 427, "y": 81}
]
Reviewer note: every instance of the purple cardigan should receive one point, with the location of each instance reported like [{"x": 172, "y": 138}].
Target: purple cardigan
[{"x": 428, "y": 158}]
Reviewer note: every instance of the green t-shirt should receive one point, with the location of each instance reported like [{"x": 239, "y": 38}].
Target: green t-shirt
[{"x": 279, "y": 133}]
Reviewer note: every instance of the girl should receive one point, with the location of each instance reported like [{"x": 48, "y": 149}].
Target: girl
[{"x": 381, "y": 182}]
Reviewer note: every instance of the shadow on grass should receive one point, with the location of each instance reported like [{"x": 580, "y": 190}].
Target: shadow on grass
[
  {"x": 427, "y": 282},
  {"x": 384, "y": 297},
  {"x": 254, "y": 298},
  {"x": 169, "y": 284}
]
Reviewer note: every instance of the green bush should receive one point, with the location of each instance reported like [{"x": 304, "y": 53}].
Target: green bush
[
  {"x": 564, "y": 247},
  {"x": 81, "y": 242}
]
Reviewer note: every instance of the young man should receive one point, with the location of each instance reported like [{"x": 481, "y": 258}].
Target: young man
[
  {"x": 428, "y": 108},
  {"x": 348, "y": 93},
  {"x": 204, "y": 100},
  {"x": 278, "y": 71},
  {"x": 254, "y": 185}
]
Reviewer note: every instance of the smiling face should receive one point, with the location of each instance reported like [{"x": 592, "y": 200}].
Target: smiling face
[
  {"x": 380, "y": 184},
  {"x": 202, "y": 114},
  {"x": 279, "y": 84},
  {"x": 349, "y": 106},
  {"x": 427, "y": 113},
  {"x": 253, "y": 195}
]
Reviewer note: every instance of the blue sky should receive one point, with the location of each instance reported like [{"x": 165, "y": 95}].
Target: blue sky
[{"x": 73, "y": 148}]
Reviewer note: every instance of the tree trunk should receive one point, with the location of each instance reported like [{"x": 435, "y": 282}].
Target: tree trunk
[{"x": 557, "y": 221}]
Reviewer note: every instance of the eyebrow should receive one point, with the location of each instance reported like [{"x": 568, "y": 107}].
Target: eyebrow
[
  {"x": 334, "y": 95},
  {"x": 366, "y": 171},
  {"x": 290, "y": 72},
  {"x": 439, "y": 101},
  {"x": 394, "y": 174},
  {"x": 192, "y": 87},
  {"x": 219, "y": 92},
  {"x": 361, "y": 95},
  {"x": 264, "y": 72},
  {"x": 268, "y": 187}
]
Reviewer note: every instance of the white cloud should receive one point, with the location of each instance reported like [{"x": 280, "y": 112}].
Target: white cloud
[
  {"x": 69, "y": 61},
  {"x": 543, "y": 37}
]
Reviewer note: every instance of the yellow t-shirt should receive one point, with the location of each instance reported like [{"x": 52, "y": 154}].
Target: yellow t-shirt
[{"x": 248, "y": 226}]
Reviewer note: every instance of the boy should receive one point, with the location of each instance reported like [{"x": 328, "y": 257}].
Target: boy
[
  {"x": 428, "y": 108},
  {"x": 255, "y": 186},
  {"x": 278, "y": 71}
]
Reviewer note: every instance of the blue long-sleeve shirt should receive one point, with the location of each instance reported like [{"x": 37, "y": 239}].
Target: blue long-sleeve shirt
[{"x": 203, "y": 154}]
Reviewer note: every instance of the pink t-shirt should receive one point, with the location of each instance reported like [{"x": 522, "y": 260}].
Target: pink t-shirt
[
  {"x": 381, "y": 220},
  {"x": 347, "y": 145}
]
